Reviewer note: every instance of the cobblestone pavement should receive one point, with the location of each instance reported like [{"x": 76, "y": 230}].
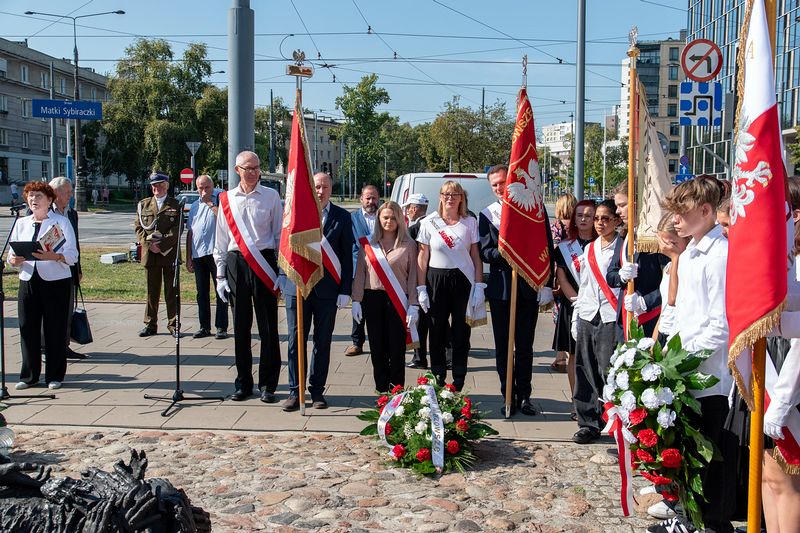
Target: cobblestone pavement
[{"x": 339, "y": 482}]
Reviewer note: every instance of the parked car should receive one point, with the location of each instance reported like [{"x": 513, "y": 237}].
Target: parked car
[
  {"x": 188, "y": 198},
  {"x": 479, "y": 192}
]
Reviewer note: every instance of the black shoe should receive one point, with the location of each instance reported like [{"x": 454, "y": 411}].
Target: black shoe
[
  {"x": 268, "y": 397},
  {"x": 147, "y": 332},
  {"x": 201, "y": 334},
  {"x": 449, "y": 365},
  {"x": 414, "y": 364},
  {"x": 239, "y": 395},
  {"x": 585, "y": 436},
  {"x": 292, "y": 403},
  {"x": 527, "y": 408},
  {"x": 72, "y": 354},
  {"x": 319, "y": 402},
  {"x": 221, "y": 334}
]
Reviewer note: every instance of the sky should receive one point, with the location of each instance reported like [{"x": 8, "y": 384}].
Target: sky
[{"x": 425, "y": 52}]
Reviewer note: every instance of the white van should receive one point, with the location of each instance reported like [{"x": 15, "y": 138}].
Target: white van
[{"x": 479, "y": 192}]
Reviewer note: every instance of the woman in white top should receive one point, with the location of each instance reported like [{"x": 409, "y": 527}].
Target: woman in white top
[
  {"x": 450, "y": 279},
  {"x": 671, "y": 245},
  {"x": 44, "y": 289}
]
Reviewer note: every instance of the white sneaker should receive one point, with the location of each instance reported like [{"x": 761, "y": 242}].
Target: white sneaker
[
  {"x": 661, "y": 510},
  {"x": 649, "y": 489},
  {"x": 21, "y": 385},
  {"x": 53, "y": 385}
]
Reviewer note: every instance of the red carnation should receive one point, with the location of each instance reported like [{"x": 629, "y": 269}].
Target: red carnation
[
  {"x": 388, "y": 429},
  {"x": 424, "y": 454},
  {"x": 462, "y": 426},
  {"x": 661, "y": 480},
  {"x": 466, "y": 413},
  {"x": 648, "y": 476},
  {"x": 468, "y": 402},
  {"x": 669, "y": 496},
  {"x": 647, "y": 437},
  {"x": 638, "y": 416},
  {"x": 422, "y": 380},
  {"x": 397, "y": 389},
  {"x": 383, "y": 400},
  {"x": 644, "y": 457},
  {"x": 453, "y": 447},
  {"x": 671, "y": 458},
  {"x": 450, "y": 387},
  {"x": 398, "y": 451}
]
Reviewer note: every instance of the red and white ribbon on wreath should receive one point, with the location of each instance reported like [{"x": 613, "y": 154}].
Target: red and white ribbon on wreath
[
  {"x": 388, "y": 412},
  {"x": 616, "y": 428},
  {"x": 247, "y": 246},
  {"x": 437, "y": 424}
]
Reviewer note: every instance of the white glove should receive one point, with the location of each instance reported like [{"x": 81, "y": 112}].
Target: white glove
[
  {"x": 281, "y": 282},
  {"x": 545, "y": 295},
  {"x": 773, "y": 422},
  {"x": 422, "y": 297},
  {"x": 356, "y": 312},
  {"x": 412, "y": 316},
  {"x": 342, "y": 300},
  {"x": 628, "y": 271},
  {"x": 222, "y": 288},
  {"x": 573, "y": 330},
  {"x": 573, "y": 299},
  {"x": 478, "y": 298},
  {"x": 634, "y": 303}
]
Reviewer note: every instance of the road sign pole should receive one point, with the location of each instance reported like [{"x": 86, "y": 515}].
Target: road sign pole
[{"x": 194, "y": 173}]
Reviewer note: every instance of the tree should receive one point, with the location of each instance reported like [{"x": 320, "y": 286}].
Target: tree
[
  {"x": 362, "y": 127},
  {"x": 157, "y": 104},
  {"x": 402, "y": 148}
]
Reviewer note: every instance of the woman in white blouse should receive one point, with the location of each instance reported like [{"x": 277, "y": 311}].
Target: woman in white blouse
[
  {"x": 450, "y": 279},
  {"x": 44, "y": 289}
]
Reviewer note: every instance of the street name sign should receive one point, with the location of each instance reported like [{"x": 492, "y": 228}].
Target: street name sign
[
  {"x": 701, "y": 60},
  {"x": 68, "y": 109}
]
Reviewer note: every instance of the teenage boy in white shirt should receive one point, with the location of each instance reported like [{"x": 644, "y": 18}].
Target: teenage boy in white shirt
[{"x": 702, "y": 324}]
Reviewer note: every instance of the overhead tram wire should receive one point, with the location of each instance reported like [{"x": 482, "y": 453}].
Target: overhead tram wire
[
  {"x": 319, "y": 54},
  {"x": 52, "y": 22}
]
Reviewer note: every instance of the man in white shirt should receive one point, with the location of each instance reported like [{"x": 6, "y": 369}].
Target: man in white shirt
[
  {"x": 363, "y": 223},
  {"x": 257, "y": 213}
]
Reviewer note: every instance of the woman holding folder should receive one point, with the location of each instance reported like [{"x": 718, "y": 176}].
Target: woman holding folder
[{"x": 44, "y": 286}]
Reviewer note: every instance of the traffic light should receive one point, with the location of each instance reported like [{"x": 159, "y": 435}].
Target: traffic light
[{"x": 325, "y": 166}]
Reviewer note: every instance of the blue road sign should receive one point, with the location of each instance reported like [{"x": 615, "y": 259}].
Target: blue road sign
[
  {"x": 701, "y": 103},
  {"x": 591, "y": 180},
  {"x": 683, "y": 177},
  {"x": 80, "y": 110}
]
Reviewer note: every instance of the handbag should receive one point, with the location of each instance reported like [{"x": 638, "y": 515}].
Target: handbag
[{"x": 80, "y": 331}]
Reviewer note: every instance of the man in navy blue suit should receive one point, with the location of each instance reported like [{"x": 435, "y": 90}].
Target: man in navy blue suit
[
  {"x": 326, "y": 296},
  {"x": 363, "y": 221}
]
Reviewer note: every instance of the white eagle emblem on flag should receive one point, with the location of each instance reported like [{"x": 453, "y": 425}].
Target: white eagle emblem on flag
[
  {"x": 744, "y": 180},
  {"x": 527, "y": 193}
]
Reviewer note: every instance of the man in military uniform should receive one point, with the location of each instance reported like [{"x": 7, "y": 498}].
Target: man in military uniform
[{"x": 157, "y": 230}]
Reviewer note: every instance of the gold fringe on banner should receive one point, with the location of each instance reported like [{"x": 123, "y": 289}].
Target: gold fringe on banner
[
  {"x": 648, "y": 245},
  {"x": 792, "y": 470}
]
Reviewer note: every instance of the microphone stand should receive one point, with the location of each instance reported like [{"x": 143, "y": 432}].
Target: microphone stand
[
  {"x": 4, "y": 395},
  {"x": 177, "y": 395}
]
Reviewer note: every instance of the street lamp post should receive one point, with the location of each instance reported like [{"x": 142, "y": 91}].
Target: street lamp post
[{"x": 80, "y": 163}]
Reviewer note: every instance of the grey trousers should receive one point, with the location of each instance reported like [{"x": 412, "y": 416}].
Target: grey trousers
[{"x": 595, "y": 344}]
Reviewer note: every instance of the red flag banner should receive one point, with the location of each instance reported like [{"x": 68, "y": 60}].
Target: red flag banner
[
  {"x": 523, "y": 227},
  {"x": 300, "y": 255}
]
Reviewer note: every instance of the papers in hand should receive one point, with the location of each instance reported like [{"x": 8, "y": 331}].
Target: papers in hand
[{"x": 53, "y": 239}]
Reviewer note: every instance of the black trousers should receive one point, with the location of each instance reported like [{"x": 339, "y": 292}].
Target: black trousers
[
  {"x": 421, "y": 353},
  {"x": 595, "y": 345},
  {"x": 387, "y": 344},
  {"x": 323, "y": 312},
  {"x": 357, "y": 334},
  {"x": 449, "y": 291},
  {"x": 205, "y": 273},
  {"x": 43, "y": 303},
  {"x": 527, "y": 315},
  {"x": 249, "y": 293}
]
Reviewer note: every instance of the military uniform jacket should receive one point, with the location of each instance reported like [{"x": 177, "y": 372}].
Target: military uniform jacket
[{"x": 150, "y": 219}]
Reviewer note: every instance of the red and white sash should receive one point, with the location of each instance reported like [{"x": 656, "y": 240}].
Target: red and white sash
[
  {"x": 600, "y": 277},
  {"x": 492, "y": 213},
  {"x": 572, "y": 252},
  {"x": 379, "y": 263},
  {"x": 331, "y": 261},
  {"x": 645, "y": 317},
  {"x": 247, "y": 246},
  {"x": 787, "y": 450}
]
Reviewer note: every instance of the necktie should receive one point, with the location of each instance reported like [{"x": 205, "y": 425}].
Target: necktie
[{"x": 36, "y": 227}]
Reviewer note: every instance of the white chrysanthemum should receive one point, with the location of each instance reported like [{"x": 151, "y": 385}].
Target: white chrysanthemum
[
  {"x": 666, "y": 417},
  {"x": 425, "y": 400},
  {"x": 630, "y": 356},
  {"x": 650, "y": 399},
  {"x": 619, "y": 362},
  {"x": 608, "y": 392},
  {"x": 399, "y": 411},
  {"x": 447, "y": 418},
  {"x": 420, "y": 427},
  {"x": 645, "y": 343},
  {"x": 629, "y": 436},
  {"x": 425, "y": 412},
  {"x": 651, "y": 371},
  {"x": 446, "y": 394},
  {"x": 622, "y": 380},
  {"x": 665, "y": 396},
  {"x": 611, "y": 378},
  {"x": 628, "y": 401}
]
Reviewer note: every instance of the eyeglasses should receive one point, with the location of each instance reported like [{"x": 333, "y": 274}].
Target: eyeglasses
[
  {"x": 603, "y": 218},
  {"x": 451, "y": 194},
  {"x": 249, "y": 169}
]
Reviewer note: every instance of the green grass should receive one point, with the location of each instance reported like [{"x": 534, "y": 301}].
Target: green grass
[{"x": 124, "y": 282}]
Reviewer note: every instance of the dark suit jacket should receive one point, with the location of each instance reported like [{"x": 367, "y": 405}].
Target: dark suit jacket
[
  {"x": 339, "y": 233},
  {"x": 648, "y": 279},
  {"x": 166, "y": 223},
  {"x": 498, "y": 286}
]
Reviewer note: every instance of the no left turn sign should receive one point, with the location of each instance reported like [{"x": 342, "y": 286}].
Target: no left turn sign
[{"x": 701, "y": 60}]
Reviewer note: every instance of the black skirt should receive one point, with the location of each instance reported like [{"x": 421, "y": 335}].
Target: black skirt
[{"x": 562, "y": 339}]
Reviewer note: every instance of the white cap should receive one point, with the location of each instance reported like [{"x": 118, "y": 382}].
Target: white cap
[{"x": 418, "y": 199}]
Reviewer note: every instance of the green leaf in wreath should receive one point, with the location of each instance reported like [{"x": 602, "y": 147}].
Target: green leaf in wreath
[
  {"x": 689, "y": 363},
  {"x": 690, "y": 402},
  {"x": 697, "y": 484},
  {"x": 369, "y": 416},
  {"x": 371, "y": 429},
  {"x": 704, "y": 446},
  {"x": 700, "y": 381}
]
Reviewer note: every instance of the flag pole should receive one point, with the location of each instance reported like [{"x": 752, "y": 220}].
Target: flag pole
[
  {"x": 759, "y": 365},
  {"x": 301, "y": 338},
  {"x": 633, "y": 134}
]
